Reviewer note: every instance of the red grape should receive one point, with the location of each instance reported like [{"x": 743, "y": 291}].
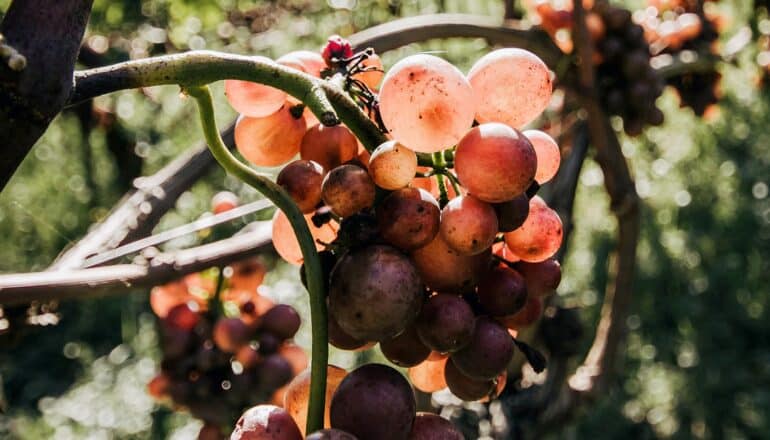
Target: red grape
[
  {"x": 271, "y": 140},
  {"x": 392, "y": 165},
  {"x": 340, "y": 339},
  {"x": 408, "y": 218},
  {"x": 331, "y": 434},
  {"x": 428, "y": 376},
  {"x": 302, "y": 180},
  {"x": 282, "y": 321},
  {"x": 330, "y": 147},
  {"x": 306, "y": 61},
  {"x": 428, "y": 426},
  {"x": 347, "y": 190},
  {"x": 378, "y": 275},
  {"x": 445, "y": 323},
  {"x": 266, "y": 422},
  {"x": 230, "y": 334},
  {"x": 548, "y": 155},
  {"x": 511, "y": 214},
  {"x": 512, "y": 86},
  {"x": 540, "y": 236},
  {"x": 295, "y": 356},
  {"x": 405, "y": 349},
  {"x": 465, "y": 387},
  {"x": 488, "y": 353},
  {"x": 525, "y": 317},
  {"x": 495, "y": 162},
  {"x": 183, "y": 317},
  {"x": 426, "y": 103},
  {"x": 502, "y": 291},
  {"x": 295, "y": 401},
  {"x": 468, "y": 225},
  {"x": 444, "y": 270},
  {"x": 253, "y": 99},
  {"x": 223, "y": 201},
  {"x": 542, "y": 278},
  {"x": 374, "y": 402},
  {"x": 286, "y": 244}
]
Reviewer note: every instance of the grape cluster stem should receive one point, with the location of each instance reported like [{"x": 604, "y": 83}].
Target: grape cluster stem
[{"x": 313, "y": 270}]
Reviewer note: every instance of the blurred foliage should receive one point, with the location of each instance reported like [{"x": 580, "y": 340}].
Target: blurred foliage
[{"x": 697, "y": 361}]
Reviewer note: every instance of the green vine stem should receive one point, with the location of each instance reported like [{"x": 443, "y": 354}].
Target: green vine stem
[
  {"x": 315, "y": 283},
  {"x": 200, "y": 67}
]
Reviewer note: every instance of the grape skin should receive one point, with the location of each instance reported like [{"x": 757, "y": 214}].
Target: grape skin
[
  {"x": 468, "y": 225},
  {"x": 488, "y": 353},
  {"x": 426, "y": 103},
  {"x": 295, "y": 401},
  {"x": 330, "y": 147},
  {"x": 512, "y": 86},
  {"x": 254, "y": 99},
  {"x": 464, "y": 387},
  {"x": 408, "y": 218},
  {"x": 445, "y": 323},
  {"x": 392, "y": 165},
  {"x": 302, "y": 180},
  {"x": 347, "y": 190},
  {"x": 539, "y": 238},
  {"x": 269, "y": 141},
  {"x": 286, "y": 244},
  {"x": 495, "y": 162},
  {"x": 428, "y": 376},
  {"x": 548, "y": 155},
  {"x": 266, "y": 421},
  {"x": 374, "y": 402},
  {"x": 306, "y": 61},
  {"x": 444, "y": 270}
]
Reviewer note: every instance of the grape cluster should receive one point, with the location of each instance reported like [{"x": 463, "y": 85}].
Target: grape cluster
[
  {"x": 677, "y": 27},
  {"x": 373, "y": 402},
  {"x": 435, "y": 245},
  {"x": 216, "y": 364},
  {"x": 628, "y": 85}
]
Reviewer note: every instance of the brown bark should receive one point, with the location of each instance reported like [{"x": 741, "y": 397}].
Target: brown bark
[{"x": 48, "y": 34}]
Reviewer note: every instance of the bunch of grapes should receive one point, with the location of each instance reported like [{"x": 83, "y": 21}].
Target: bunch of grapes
[
  {"x": 435, "y": 245},
  {"x": 628, "y": 85},
  {"x": 223, "y": 353},
  {"x": 374, "y": 402},
  {"x": 683, "y": 27}
]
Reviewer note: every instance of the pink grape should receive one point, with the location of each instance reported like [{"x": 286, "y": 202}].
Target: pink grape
[
  {"x": 254, "y": 99},
  {"x": 468, "y": 225},
  {"x": 426, "y": 103},
  {"x": 374, "y": 74},
  {"x": 512, "y": 86},
  {"x": 306, "y": 61},
  {"x": 392, "y": 165},
  {"x": 286, "y": 244},
  {"x": 266, "y": 422},
  {"x": 330, "y": 147},
  {"x": 269, "y": 141},
  {"x": 548, "y": 155},
  {"x": 495, "y": 162},
  {"x": 539, "y": 237},
  {"x": 444, "y": 270}
]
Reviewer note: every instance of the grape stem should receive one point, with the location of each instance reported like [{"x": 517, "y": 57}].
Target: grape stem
[
  {"x": 454, "y": 181},
  {"x": 215, "y": 303},
  {"x": 315, "y": 283}
]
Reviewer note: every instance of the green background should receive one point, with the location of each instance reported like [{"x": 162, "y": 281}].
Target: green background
[{"x": 697, "y": 358}]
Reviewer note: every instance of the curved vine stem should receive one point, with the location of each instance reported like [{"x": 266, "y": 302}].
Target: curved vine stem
[{"x": 315, "y": 284}]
